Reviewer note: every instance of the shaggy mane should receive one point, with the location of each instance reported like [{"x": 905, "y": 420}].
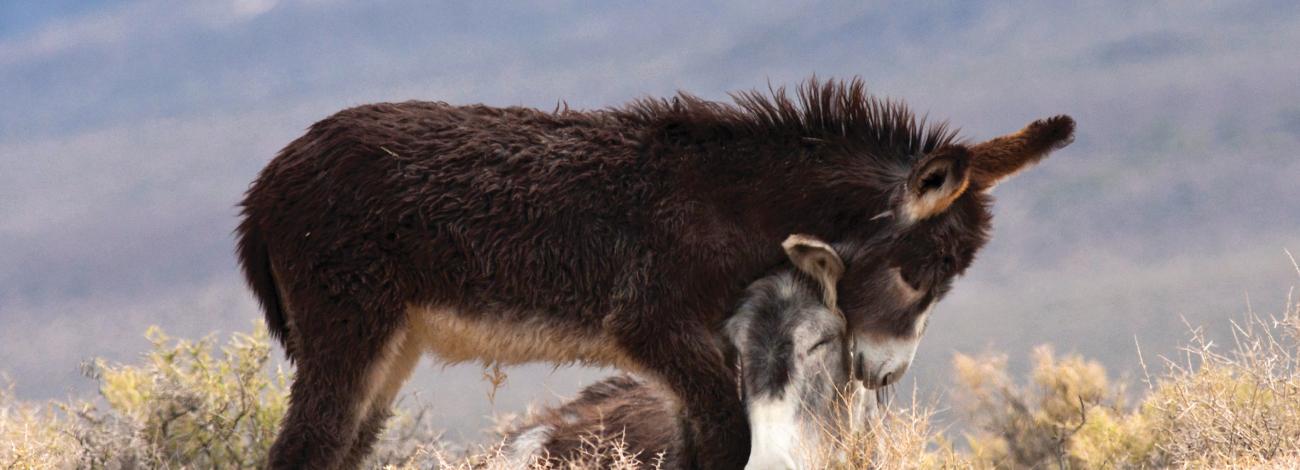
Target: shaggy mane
[{"x": 833, "y": 110}]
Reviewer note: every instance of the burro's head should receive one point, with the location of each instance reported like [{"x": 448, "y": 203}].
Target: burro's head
[
  {"x": 937, "y": 217},
  {"x": 789, "y": 338}
]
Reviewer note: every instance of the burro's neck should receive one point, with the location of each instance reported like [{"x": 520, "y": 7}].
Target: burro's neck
[{"x": 774, "y": 200}]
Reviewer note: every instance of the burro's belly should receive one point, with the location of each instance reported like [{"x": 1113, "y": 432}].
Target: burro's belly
[{"x": 453, "y": 336}]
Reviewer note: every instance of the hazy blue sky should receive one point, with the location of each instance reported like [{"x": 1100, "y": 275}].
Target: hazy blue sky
[{"x": 129, "y": 130}]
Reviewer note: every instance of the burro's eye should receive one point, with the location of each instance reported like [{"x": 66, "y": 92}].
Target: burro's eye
[
  {"x": 910, "y": 278},
  {"x": 827, "y": 341},
  {"x": 908, "y": 284}
]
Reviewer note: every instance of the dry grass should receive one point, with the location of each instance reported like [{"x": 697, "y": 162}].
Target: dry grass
[
  {"x": 1223, "y": 408},
  {"x": 195, "y": 404},
  {"x": 897, "y": 437}
]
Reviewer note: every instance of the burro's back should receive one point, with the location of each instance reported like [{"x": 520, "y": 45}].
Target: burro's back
[
  {"x": 616, "y": 237},
  {"x": 462, "y": 204}
]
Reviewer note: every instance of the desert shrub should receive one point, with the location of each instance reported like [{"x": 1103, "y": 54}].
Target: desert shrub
[
  {"x": 1238, "y": 407},
  {"x": 189, "y": 404},
  {"x": 184, "y": 407},
  {"x": 1068, "y": 416},
  {"x": 1234, "y": 407},
  {"x": 29, "y": 438}
]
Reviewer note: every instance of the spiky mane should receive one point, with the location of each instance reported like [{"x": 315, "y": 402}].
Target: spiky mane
[{"x": 833, "y": 110}]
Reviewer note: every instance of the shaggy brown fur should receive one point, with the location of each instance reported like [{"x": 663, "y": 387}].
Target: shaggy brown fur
[
  {"x": 622, "y": 410},
  {"x": 620, "y": 235}
]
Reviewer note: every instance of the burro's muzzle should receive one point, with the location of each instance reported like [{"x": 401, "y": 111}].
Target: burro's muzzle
[{"x": 880, "y": 360}]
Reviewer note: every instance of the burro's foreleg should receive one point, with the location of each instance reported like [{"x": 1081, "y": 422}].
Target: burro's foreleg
[{"x": 688, "y": 357}]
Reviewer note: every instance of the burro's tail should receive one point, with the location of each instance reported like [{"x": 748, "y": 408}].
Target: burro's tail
[{"x": 256, "y": 262}]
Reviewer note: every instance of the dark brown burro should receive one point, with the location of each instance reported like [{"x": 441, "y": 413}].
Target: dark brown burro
[{"x": 617, "y": 237}]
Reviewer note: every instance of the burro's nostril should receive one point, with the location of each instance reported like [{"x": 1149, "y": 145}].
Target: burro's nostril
[
  {"x": 892, "y": 376},
  {"x": 898, "y": 373},
  {"x": 860, "y": 367}
]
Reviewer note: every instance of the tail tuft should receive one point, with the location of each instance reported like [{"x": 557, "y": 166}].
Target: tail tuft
[{"x": 256, "y": 263}]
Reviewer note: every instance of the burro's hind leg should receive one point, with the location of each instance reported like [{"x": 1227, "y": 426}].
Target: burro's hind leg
[
  {"x": 385, "y": 381},
  {"x": 348, "y": 359},
  {"x": 689, "y": 359}
]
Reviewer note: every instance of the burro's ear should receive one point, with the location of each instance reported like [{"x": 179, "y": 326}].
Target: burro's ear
[
  {"x": 936, "y": 181},
  {"x": 817, "y": 259},
  {"x": 733, "y": 330},
  {"x": 1001, "y": 157}
]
